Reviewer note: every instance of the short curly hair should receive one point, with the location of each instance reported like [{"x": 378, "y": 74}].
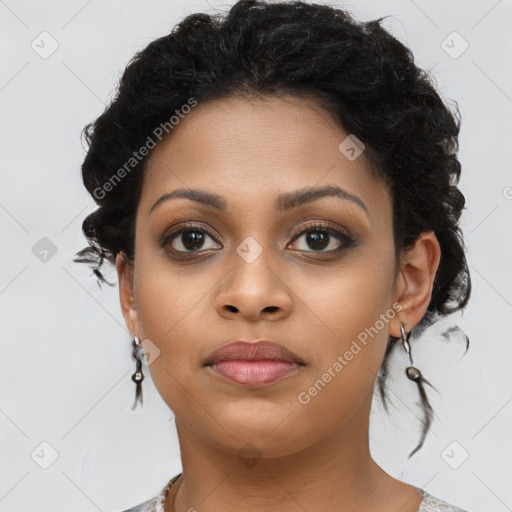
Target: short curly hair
[{"x": 357, "y": 71}]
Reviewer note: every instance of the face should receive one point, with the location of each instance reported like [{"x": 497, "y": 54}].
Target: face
[{"x": 269, "y": 260}]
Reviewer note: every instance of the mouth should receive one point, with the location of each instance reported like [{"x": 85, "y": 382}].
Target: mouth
[
  {"x": 253, "y": 364},
  {"x": 254, "y": 373}
]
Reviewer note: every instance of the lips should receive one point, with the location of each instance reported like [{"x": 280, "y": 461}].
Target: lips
[
  {"x": 253, "y": 364},
  {"x": 260, "y": 350}
]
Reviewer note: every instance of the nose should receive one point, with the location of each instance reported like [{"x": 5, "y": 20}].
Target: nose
[{"x": 253, "y": 291}]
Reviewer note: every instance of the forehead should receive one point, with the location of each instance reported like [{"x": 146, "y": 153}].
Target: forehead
[{"x": 252, "y": 150}]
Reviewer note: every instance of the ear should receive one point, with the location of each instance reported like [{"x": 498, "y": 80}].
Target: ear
[
  {"x": 415, "y": 282},
  {"x": 126, "y": 295}
]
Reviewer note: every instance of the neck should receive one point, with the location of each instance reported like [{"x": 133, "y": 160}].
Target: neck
[{"x": 336, "y": 473}]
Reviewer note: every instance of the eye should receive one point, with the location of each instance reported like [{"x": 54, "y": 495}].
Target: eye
[
  {"x": 321, "y": 236},
  {"x": 189, "y": 238}
]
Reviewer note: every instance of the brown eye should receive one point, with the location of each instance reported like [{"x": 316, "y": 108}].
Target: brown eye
[
  {"x": 319, "y": 237},
  {"x": 191, "y": 240},
  {"x": 188, "y": 239}
]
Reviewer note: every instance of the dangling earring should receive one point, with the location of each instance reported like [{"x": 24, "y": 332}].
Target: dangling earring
[
  {"x": 138, "y": 376},
  {"x": 415, "y": 375}
]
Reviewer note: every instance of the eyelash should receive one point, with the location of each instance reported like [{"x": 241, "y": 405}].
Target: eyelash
[{"x": 347, "y": 240}]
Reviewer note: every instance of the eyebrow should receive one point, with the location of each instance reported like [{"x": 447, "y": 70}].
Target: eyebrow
[{"x": 285, "y": 201}]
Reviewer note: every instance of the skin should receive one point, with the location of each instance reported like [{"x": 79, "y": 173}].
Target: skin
[{"x": 306, "y": 457}]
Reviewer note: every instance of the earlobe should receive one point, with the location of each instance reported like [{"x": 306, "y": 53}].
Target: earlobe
[
  {"x": 126, "y": 294},
  {"x": 416, "y": 281}
]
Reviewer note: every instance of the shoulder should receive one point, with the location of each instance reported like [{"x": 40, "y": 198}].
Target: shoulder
[
  {"x": 156, "y": 503},
  {"x": 432, "y": 504}
]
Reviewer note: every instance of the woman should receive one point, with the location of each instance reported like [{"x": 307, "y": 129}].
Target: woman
[{"x": 277, "y": 190}]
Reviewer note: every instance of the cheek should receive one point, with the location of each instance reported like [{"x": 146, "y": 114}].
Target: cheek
[
  {"x": 171, "y": 314},
  {"x": 168, "y": 295},
  {"x": 172, "y": 303},
  {"x": 347, "y": 305},
  {"x": 349, "y": 319}
]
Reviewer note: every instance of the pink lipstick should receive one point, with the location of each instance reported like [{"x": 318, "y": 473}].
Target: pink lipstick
[{"x": 254, "y": 363}]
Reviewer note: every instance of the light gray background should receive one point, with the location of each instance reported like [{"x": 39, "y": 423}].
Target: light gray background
[{"x": 65, "y": 362}]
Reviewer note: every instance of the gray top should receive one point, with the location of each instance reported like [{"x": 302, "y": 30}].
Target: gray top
[{"x": 156, "y": 504}]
